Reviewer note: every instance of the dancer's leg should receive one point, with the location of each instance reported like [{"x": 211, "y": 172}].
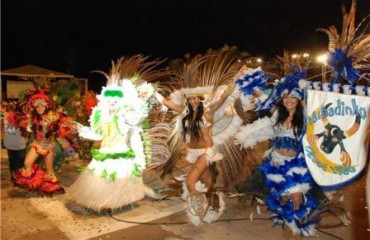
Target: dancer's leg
[
  {"x": 196, "y": 172},
  {"x": 30, "y": 159}
]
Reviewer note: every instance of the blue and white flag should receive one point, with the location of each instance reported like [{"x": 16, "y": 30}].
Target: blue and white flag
[{"x": 334, "y": 143}]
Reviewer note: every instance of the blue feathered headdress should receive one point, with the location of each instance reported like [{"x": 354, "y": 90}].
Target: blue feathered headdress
[
  {"x": 342, "y": 65},
  {"x": 287, "y": 85},
  {"x": 251, "y": 80}
]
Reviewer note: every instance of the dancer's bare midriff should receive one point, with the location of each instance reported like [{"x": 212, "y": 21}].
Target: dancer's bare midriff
[
  {"x": 285, "y": 152},
  {"x": 205, "y": 140}
]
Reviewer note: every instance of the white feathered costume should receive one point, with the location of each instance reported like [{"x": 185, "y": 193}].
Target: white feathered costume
[{"x": 113, "y": 177}]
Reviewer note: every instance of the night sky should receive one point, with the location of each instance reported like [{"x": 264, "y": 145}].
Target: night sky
[{"x": 79, "y": 36}]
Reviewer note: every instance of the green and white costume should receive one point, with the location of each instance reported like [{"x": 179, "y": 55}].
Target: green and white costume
[{"x": 113, "y": 177}]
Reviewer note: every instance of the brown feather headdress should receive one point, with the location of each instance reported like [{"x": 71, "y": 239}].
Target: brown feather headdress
[
  {"x": 134, "y": 68},
  {"x": 354, "y": 42}
]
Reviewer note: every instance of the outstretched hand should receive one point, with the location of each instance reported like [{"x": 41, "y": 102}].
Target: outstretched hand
[{"x": 241, "y": 71}]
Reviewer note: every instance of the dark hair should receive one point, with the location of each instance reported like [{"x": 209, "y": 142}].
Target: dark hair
[
  {"x": 297, "y": 121},
  {"x": 193, "y": 125}
]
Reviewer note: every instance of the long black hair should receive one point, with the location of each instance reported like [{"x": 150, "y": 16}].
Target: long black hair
[
  {"x": 193, "y": 126},
  {"x": 298, "y": 117}
]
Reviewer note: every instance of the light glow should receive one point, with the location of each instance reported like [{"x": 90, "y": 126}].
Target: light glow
[{"x": 322, "y": 58}]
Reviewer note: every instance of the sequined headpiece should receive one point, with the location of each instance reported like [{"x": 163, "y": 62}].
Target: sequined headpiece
[{"x": 39, "y": 99}]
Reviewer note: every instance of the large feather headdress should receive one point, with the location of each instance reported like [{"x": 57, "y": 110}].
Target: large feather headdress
[
  {"x": 208, "y": 75},
  {"x": 294, "y": 73},
  {"x": 204, "y": 73},
  {"x": 134, "y": 68},
  {"x": 349, "y": 51},
  {"x": 132, "y": 73}
]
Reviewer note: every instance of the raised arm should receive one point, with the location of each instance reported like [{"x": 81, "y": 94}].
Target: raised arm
[
  {"x": 168, "y": 103},
  {"x": 216, "y": 105}
]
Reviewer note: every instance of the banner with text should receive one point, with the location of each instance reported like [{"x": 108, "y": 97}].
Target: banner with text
[{"x": 334, "y": 143}]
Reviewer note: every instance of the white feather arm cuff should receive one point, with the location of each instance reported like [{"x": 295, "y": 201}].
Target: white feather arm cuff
[
  {"x": 87, "y": 133},
  {"x": 256, "y": 132}
]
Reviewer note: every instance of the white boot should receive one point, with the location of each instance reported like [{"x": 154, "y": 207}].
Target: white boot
[{"x": 197, "y": 204}]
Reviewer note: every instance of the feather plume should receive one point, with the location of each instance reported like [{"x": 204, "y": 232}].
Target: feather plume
[
  {"x": 333, "y": 36},
  {"x": 351, "y": 49},
  {"x": 221, "y": 67},
  {"x": 213, "y": 68},
  {"x": 233, "y": 163},
  {"x": 136, "y": 68},
  {"x": 348, "y": 25},
  {"x": 159, "y": 150}
]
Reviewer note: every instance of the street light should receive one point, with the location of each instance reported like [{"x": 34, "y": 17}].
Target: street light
[
  {"x": 306, "y": 55},
  {"x": 259, "y": 60},
  {"x": 322, "y": 59}
]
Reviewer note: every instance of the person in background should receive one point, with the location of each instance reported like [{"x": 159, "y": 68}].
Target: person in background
[{"x": 14, "y": 140}]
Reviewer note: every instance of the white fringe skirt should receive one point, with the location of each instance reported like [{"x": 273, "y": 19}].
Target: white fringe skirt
[
  {"x": 94, "y": 191},
  {"x": 211, "y": 154}
]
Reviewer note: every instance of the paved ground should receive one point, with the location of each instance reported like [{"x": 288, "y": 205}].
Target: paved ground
[{"x": 26, "y": 216}]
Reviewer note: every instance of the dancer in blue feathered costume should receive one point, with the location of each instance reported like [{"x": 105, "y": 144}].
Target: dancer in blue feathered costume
[{"x": 285, "y": 170}]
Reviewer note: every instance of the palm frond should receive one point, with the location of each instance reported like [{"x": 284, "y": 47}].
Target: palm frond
[
  {"x": 159, "y": 150},
  {"x": 189, "y": 74},
  {"x": 232, "y": 163},
  {"x": 359, "y": 50},
  {"x": 134, "y": 68},
  {"x": 333, "y": 36},
  {"x": 221, "y": 67},
  {"x": 174, "y": 144},
  {"x": 213, "y": 68},
  {"x": 290, "y": 65},
  {"x": 348, "y": 25}
]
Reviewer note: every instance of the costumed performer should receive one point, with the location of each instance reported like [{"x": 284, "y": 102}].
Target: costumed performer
[
  {"x": 285, "y": 169},
  {"x": 113, "y": 178},
  {"x": 200, "y": 109},
  {"x": 43, "y": 124}
]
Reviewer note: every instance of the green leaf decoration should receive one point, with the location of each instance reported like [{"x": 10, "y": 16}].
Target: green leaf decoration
[
  {"x": 104, "y": 174},
  {"x": 136, "y": 171},
  {"x": 98, "y": 156},
  {"x": 113, "y": 176},
  {"x": 97, "y": 117}
]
